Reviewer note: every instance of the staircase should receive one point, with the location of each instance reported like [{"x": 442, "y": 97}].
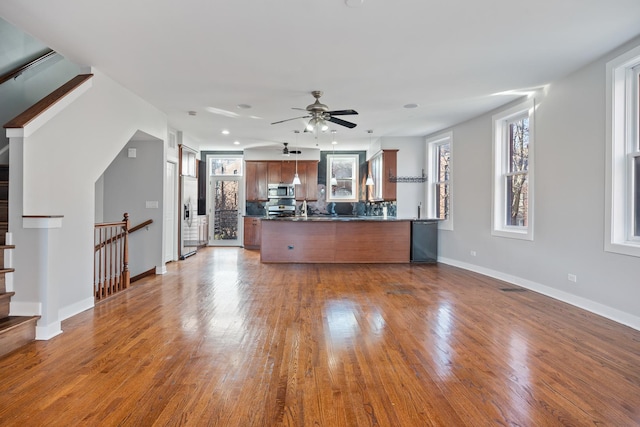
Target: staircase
[{"x": 15, "y": 331}]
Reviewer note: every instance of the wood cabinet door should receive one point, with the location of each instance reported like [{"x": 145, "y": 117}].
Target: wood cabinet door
[
  {"x": 274, "y": 172},
  {"x": 252, "y": 233},
  {"x": 256, "y": 181},
  {"x": 288, "y": 171},
  {"x": 389, "y": 167},
  {"x": 311, "y": 176}
]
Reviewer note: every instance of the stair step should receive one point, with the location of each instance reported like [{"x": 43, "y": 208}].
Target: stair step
[
  {"x": 16, "y": 331},
  {"x": 5, "y": 300}
]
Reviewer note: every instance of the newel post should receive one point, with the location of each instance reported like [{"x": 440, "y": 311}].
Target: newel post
[{"x": 125, "y": 255}]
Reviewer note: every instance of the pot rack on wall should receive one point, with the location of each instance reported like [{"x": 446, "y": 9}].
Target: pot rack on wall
[{"x": 408, "y": 179}]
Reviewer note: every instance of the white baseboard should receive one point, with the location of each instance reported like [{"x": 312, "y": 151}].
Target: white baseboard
[
  {"x": 162, "y": 269},
  {"x": 47, "y": 332},
  {"x": 25, "y": 308},
  {"x": 73, "y": 309},
  {"x": 580, "y": 302}
]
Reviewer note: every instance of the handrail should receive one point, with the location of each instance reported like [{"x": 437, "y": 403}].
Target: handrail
[
  {"x": 22, "y": 68},
  {"x": 47, "y": 102},
  {"x": 141, "y": 225},
  {"x": 119, "y": 235}
]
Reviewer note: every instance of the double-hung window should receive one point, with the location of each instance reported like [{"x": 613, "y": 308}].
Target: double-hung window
[
  {"x": 439, "y": 185},
  {"x": 623, "y": 154},
  {"x": 513, "y": 172}
]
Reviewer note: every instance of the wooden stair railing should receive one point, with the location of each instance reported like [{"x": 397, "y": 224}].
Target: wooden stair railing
[{"x": 111, "y": 260}]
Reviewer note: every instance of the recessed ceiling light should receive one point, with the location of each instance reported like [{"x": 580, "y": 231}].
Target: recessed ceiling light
[
  {"x": 236, "y": 142},
  {"x": 353, "y": 3},
  {"x": 411, "y": 106},
  {"x": 244, "y": 106},
  {"x": 334, "y": 142},
  {"x": 225, "y": 132}
]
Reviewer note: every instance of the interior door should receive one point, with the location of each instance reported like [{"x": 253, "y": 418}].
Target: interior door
[{"x": 226, "y": 211}]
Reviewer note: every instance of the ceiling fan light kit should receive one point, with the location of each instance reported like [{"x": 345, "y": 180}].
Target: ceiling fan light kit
[{"x": 320, "y": 114}]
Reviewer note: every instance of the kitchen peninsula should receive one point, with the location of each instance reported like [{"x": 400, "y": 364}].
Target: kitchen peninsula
[{"x": 336, "y": 239}]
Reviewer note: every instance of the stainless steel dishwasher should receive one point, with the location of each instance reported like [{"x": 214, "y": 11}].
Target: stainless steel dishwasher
[{"x": 424, "y": 240}]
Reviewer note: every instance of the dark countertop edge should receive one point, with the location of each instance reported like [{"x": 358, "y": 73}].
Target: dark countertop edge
[{"x": 345, "y": 218}]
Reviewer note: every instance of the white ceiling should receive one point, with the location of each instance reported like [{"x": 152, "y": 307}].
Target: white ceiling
[{"x": 455, "y": 58}]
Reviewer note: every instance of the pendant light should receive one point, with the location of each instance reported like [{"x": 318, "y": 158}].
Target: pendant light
[
  {"x": 296, "y": 178},
  {"x": 334, "y": 181},
  {"x": 369, "y": 177}
]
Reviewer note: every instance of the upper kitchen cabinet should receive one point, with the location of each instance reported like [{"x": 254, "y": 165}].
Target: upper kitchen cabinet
[
  {"x": 256, "y": 181},
  {"x": 259, "y": 174},
  {"x": 382, "y": 166},
  {"x": 308, "y": 174}
]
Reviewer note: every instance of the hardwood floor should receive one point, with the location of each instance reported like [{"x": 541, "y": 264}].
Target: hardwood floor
[{"x": 224, "y": 340}]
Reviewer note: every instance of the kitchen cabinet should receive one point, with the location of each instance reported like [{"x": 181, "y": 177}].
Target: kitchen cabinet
[
  {"x": 258, "y": 174},
  {"x": 310, "y": 182},
  {"x": 256, "y": 181},
  {"x": 382, "y": 166},
  {"x": 252, "y": 232}
]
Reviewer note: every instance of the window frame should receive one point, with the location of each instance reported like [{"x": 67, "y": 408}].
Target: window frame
[
  {"x": 502, "y": 172},
  {"x": 355, "y": 161},
  {"x": 433, "y": 150},
  {"x": 623, "y": 148}
]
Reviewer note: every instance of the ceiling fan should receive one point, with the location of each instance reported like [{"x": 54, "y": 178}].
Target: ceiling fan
[
  {"x": 287, "y": 152},
  {"x": 320, "y": 114}
]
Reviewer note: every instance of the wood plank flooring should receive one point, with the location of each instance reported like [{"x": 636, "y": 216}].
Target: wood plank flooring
[{"x": 223, "y": 340}]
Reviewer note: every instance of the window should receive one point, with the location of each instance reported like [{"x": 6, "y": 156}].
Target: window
[
  {"x": 223, "y": 166},
  {"x": 439, "y": 183},
  {"x": 623, "y": 154},
  {"x": 513, "y": 172},
  {"x": 342, "y": 177},
  {"x": 376, "y": 175}
]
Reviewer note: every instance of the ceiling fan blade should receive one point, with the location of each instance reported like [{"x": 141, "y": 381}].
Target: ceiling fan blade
[
  {"x": 342, "y": 112},
  {"x": 341, "y": 122},
  {"x": 286, "y": 120},
  {"x": 295, "y": 152}
]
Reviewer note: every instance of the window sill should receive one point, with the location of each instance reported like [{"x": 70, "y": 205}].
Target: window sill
[
  {"x": 520, "y": 234},
  {"x": 627, "y": 248}
]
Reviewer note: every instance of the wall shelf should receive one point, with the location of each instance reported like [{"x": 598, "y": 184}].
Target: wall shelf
[{"x": 408, "y": 179}]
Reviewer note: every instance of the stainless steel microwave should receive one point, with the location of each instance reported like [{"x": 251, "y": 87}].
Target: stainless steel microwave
[{"x": 281, "y": 191}]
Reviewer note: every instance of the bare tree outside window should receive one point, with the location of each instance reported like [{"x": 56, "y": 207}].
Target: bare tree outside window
[
  {"x": 517, "y": 172},
  {"x": 442, "y": 185}
]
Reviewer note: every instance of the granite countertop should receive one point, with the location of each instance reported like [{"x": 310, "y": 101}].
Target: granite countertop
[{"x": 328, "y": 218}]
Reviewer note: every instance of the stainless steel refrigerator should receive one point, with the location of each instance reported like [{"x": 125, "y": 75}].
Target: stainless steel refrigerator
[{"x": 188, "y": 216}]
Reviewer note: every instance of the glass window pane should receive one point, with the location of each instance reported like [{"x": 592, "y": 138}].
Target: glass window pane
[
  {"x": 444, "y": 155},
  {"x": 517, "y": 200},
  {"x": 226, "y": 210},
  {"x": 344, "y": 169},
  {"x": 442, "y": 201},
  {"x": 226, "y": 166},
  {"x": 518, "y": 149}
]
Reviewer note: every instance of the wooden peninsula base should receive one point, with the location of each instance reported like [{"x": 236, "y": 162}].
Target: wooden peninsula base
[{"x": 335, "y": 241}]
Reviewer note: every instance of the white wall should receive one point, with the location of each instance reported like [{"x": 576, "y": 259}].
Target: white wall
[
  {"x": 569, "y": 204},
  {"x": 410, "y": 163},
  {"x": 64, "y": 158},
  {"x": 129, "y": 183}
]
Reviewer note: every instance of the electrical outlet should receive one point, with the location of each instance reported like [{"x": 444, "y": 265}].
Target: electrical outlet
[
  {"x": 572, "y": 278},
  {"x": 473, "y": 253}
]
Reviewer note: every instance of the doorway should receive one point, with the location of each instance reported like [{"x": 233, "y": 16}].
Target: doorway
[{"x": 226, "y": 201}]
